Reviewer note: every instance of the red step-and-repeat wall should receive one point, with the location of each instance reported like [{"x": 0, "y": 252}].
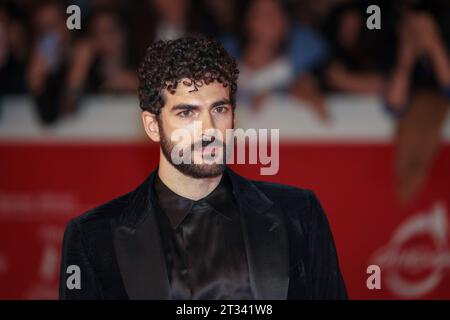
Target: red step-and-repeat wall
[{"x": 43, "y": 185}]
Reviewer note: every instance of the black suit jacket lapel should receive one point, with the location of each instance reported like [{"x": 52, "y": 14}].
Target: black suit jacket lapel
[
  {"x": 266, "y": 241},
  {"x": 139, "y": 249}
]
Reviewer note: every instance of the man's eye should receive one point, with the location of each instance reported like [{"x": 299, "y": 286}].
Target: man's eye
[
  {"x": 185, "y": 114},
  {"x": 221, "y": 109}
]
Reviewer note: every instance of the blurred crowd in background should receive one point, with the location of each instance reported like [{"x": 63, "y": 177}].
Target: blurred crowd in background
[{"x": 303, "y": 48}]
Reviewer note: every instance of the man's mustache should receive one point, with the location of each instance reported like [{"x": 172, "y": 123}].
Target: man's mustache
[{"x": 203, "y": 143}]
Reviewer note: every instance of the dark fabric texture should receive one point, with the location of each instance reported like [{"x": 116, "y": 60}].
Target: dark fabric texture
[
  {"x": 203, "y": 244},
  {"x": 290, "y": 249}
]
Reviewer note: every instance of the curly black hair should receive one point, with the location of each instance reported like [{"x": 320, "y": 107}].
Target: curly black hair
[{"x": 194, "y": 57}]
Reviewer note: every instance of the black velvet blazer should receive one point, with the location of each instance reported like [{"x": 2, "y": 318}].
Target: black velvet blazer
[{"x": 290, "y": 248}]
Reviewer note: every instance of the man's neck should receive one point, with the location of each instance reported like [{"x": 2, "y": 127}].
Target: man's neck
[{"x": 184, "y": 185}]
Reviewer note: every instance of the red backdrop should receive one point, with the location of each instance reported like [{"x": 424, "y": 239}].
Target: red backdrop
[{"x": 43, "y": 185}]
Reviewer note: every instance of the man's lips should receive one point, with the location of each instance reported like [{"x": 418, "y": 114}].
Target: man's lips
[{"x": 209, "y": 149}]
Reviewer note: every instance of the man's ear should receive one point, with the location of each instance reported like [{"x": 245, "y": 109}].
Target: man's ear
[{"x": 151, "y": 125}]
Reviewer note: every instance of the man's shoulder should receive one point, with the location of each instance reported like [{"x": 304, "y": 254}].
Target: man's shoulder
[
  {"x": 104, "y": 212},
  {"x": 283, "y": 191},
  {"x": 296, "y": 202}
]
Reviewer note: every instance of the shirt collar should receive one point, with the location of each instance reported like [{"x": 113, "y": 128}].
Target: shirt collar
[{"x": 177, "y": 207}]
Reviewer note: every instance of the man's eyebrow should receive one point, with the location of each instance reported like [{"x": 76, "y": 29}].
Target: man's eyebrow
[
  {"x": 187, "y": 106},
  {"x": 184, "y": 106},
  {"x": 221, "y": 102}
]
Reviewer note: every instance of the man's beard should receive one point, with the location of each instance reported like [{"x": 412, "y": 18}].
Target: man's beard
[{"x": 194, "y": 170}]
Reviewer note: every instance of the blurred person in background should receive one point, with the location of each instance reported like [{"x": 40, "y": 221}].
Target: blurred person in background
[
  {"x": 272, "y": 49},
  {"x": 312, "y": 13},
  {"x": 175, "y": 18},
  {"x": 154, "y": 20},
  {"x": 50, "y": 58},
  {"x": 101, "y": 61},
  {"x": 310, "y": 17},
  {"x": 63, "y": 69},
  {"x": 172, "y": 18},
  {"x": 263, "y": 64},
  {"x": 221, "y": 16},
  {"x": 151, "y": 20},
  {"x": 13, "y": 50},
  {"x": 418, "y": 90},
  {"x": 307, "y": 48},
  {"x": 353, "y": 63}
]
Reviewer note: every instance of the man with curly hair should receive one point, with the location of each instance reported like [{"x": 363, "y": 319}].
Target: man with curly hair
[{"x": 197, "y": 230}]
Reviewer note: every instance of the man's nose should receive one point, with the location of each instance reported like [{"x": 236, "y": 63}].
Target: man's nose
[{"x": 207, "y": 122}]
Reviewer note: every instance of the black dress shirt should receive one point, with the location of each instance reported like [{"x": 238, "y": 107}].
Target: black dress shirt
[{"x": 203, "y": 244}]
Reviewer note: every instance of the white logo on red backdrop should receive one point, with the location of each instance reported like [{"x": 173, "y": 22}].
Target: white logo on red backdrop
[{"x": 417, "y": 257}]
